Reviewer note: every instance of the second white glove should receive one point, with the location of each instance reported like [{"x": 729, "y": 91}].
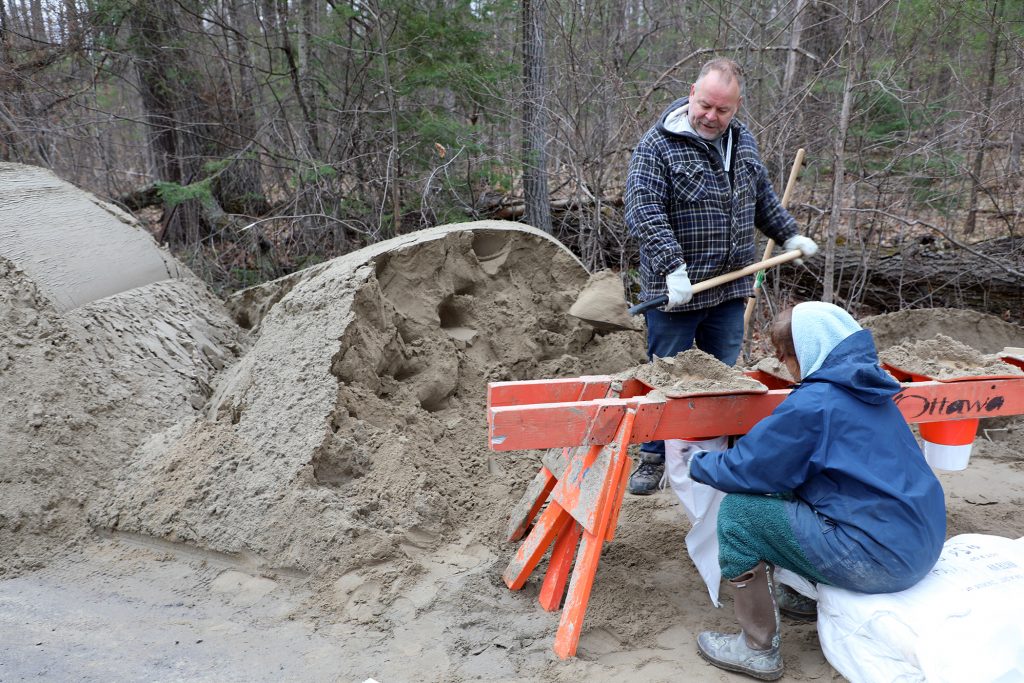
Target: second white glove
[
  {"x": 680, "y": 291},
  {"x": 804, "y": 244}
]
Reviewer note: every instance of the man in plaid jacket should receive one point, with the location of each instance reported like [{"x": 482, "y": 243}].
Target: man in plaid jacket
[{"x": 695, "y": 192}]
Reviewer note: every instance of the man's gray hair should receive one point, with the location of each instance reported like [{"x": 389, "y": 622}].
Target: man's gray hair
[{"x": 724, "y": 66}]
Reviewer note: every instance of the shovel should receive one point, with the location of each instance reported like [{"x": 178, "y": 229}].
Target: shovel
[
  {"x": 722, "y": 279},
  {"x": 602, "y": 303},
  {"x": 794, "y": 173}
]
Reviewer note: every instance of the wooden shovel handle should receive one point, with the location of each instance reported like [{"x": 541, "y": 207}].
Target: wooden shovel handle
[
  {"x": 784, "y": 257},
  {"x": 722, "y": 279},
  {"x": 794, "y": 173}
]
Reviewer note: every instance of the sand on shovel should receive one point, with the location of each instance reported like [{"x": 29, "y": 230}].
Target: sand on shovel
[
  {"x": 691, "y": 373},
  {"x": 602, "y": 303},
  {"x": 943, "y": 358},
  {"x": 774, "y": 367},
  {"x": 1014, "y": 352}
]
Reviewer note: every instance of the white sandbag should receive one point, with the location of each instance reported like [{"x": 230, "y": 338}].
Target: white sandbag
[
  {"x": 798, "y": 583},
  {"x": 962, "y": 622},
  {"x": 700, "y": 502}
]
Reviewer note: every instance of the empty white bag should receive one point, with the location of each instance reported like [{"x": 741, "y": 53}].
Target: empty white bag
[{"x": 700, "y": 502}]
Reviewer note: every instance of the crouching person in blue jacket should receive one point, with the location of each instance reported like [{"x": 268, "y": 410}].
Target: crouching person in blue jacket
[{"x": 850, "y": 500}]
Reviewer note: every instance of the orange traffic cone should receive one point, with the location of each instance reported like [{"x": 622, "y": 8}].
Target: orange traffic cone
[{"x": 947, "y": 445}]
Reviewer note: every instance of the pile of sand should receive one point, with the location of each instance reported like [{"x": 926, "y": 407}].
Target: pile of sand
[
  {"x": 943, "y": 358},
  {"x": 985, "y": 333},
  {"x": 352, "y": 436},
  {"x": 72, "y": 246},
  {"x": 93, "y": 357}
]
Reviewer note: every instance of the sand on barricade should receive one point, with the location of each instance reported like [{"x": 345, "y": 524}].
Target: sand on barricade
[
  {"x": 772, "y": 366},
  {"x": 943, "y": 358},
  {"x": 692, "y": 372}
]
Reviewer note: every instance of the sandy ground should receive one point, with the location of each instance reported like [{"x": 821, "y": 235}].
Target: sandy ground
[
  {"x": 130, "y": 608},
  {"x": 309, "y": 496}
]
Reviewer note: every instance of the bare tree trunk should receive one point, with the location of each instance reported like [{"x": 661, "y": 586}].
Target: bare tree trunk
[
  {"x": 5, "y": 48},
  {"x": 307, "y": 28},
  {"x": 173, "y": 113},
  {"x": 38, "y": 26},
  {"x": 6, "y": 132},
  {"x": 393, "y": 167},
  {"x": 268, "y": 16},
  {"x": 839, "y": 153},
  {"x": 794, "y": 44},
  {"x": 16, "y": 19},
  {"x": 157, "y": 88},
  {"x": 240, "y": 186},
  {"x": 72, "y": 23},
  {"x": 1013, "y": 163},
  {"x": 312, "y": 144},
  {"x": 986, "y": 116},
  {"x": 535, "y": 178}
]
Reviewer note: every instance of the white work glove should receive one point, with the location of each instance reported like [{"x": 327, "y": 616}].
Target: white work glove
[
  {"x": 680, "y": 291},
  {"x": 804, "y": 244}
]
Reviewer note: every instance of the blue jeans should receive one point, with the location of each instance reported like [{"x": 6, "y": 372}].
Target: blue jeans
[{"x": 717, "y": 331}]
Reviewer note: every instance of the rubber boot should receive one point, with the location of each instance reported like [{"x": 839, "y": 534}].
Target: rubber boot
[
  {"x": 795, "y": 605},
  {"x": 755, "y": 650}
]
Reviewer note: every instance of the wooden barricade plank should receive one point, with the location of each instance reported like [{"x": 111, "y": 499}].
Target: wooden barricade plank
[
  {"x": 620, "y": 493},
  {"x": 589, "y": 553},
  {"x": 549, "y": 525},
  {"x": 578, "y": 490},
  {"x": 586, "y": 388},
  {"x": 530, "y": 504},
  {"x": 584, "y": 503},
  {"x": 571, "y": 424},
  {"x": 553, "y": 588}
]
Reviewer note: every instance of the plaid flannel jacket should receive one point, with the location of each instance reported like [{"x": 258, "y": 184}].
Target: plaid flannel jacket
[{"x": 682, "y": 207}]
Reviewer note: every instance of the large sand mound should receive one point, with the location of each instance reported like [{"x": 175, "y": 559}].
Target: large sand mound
[
  {"x": 74, "y": 247},
  {"x": 353, "y": 433},
  {"x": 985, "y": 333},
  {"x": 93, "y": 358}
]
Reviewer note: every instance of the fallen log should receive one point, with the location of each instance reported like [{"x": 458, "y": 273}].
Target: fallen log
[
  {"x": 923, "y": 273},
  {"x": 140, "y": 198},
  {"x": 503, "y": 211}
]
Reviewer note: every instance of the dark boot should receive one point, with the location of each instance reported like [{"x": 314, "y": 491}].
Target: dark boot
[
  {"x": 755, "y": 649},
  {"x": 795, "y": 605}
]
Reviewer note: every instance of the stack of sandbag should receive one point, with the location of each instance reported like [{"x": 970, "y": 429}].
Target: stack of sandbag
[{"x": 963, "y": 622}]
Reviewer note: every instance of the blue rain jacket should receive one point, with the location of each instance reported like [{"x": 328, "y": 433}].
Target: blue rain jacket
[{"x": 867, "y": 510}]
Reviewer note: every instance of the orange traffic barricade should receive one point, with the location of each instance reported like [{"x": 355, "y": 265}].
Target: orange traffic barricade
[{"x": 587, "y": 425}]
